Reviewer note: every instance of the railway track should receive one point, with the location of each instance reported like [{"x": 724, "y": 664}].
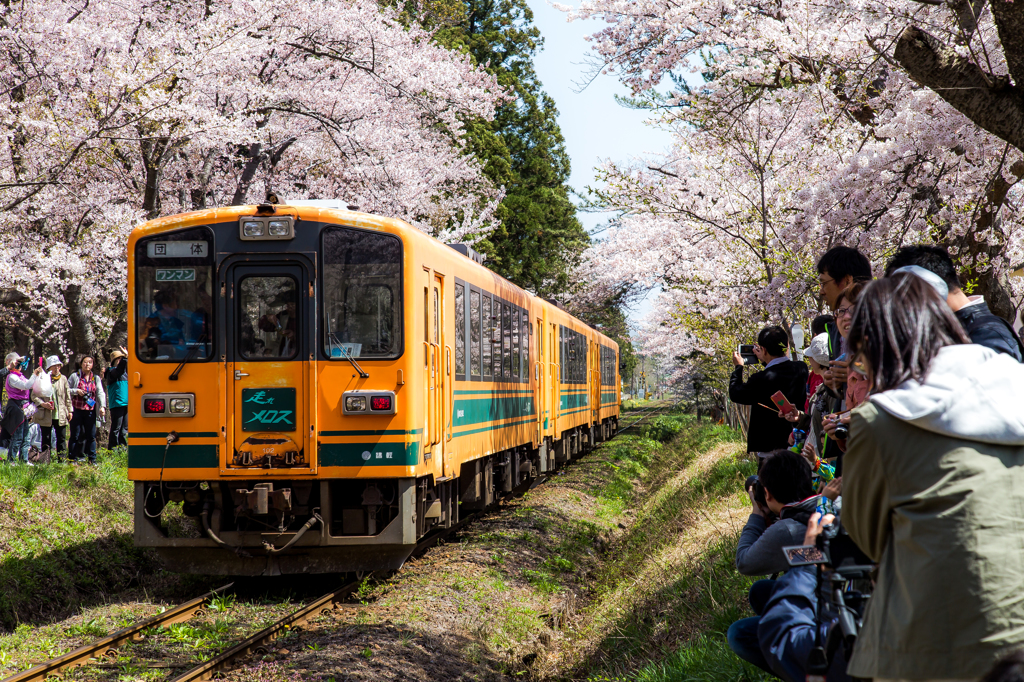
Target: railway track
[
  {"x": 95, "y": 651},
  {"x": 647, "y": 413}
]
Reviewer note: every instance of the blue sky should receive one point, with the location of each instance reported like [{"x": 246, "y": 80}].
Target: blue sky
[{"x": 595, "y": 126}]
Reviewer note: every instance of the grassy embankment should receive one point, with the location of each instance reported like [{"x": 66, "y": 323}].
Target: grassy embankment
[
  {"x": 667, "y": 590},
  {"x": 65, "y": 538}
]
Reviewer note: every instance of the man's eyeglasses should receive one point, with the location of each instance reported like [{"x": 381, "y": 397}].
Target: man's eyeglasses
[{"x": 825, "y": 281}]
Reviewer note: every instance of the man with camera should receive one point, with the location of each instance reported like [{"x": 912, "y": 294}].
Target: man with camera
[
  {"x": 783, "y": 489},
  {"x": 766, "y": 431}
]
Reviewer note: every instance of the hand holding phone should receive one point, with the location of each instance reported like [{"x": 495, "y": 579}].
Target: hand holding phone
[{"x": 785, "y": 407}]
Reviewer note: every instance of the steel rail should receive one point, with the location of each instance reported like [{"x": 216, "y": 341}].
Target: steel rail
[
  {"x": 660, "y": 410},
  {"x": 206, "y": 670},
  {"x": 82, "y": 655}
]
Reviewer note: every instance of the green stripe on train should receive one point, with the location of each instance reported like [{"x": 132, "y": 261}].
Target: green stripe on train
[
  {"x": 607, "y": 398},
  {"x": 497, "y": 427},
  {"x": 571, "y": 400},
  {"x": 179, "y": 456},
  {"x": 369, "y": 454},
  {"x": 491, "y": 408}
]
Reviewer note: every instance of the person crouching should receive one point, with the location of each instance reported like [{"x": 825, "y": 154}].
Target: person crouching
[{"x": 786, "y": 479}]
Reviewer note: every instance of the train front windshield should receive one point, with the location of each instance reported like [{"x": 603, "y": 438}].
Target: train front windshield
[
  {"x": 362, "y": 293},
  {"x": 174, "y": 296}
]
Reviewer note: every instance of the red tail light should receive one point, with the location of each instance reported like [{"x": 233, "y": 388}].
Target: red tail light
[
  {"x": 154, "y": 405},
  {"x": 380, "y": 402}
]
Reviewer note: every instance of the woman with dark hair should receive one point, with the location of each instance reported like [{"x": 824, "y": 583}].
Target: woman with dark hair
[{"x": 934, "y": 489}]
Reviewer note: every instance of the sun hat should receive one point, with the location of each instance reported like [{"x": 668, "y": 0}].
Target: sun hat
[
  {"x": 13, "y": 356},
  {"x": 818, "y": 350},
  {"x": 116, "y": 355},
  {"x": 51, "y": 361}
]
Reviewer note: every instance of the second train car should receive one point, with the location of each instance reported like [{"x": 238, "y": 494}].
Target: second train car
[{"x": 313, "y": 389}]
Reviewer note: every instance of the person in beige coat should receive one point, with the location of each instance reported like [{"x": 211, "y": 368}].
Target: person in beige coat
[
  {"x": 933, "y": 490},
  {"x": 54, "y": 415}
]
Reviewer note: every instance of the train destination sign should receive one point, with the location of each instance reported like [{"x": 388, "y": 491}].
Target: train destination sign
[{"x": 178, "y": 249}]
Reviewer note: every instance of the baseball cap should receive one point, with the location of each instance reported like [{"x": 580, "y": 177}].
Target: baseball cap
[
  {"x": 13, "y": 356},
  {"x": 818, "y": 350}
]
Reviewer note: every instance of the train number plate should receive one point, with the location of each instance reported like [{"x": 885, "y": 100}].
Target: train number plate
[{"x": 268, "y": 409}]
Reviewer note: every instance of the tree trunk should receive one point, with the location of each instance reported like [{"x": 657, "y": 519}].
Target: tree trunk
[
  {"x": 990, "y": 101},
  {"x": 83, "y": 336}
]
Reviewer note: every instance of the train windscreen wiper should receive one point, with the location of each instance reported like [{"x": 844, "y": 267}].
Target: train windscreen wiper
[{"x": 188, "y": 356}]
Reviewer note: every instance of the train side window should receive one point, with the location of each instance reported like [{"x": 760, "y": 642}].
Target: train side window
[
  {"x": 488, "y": 338},
  {"x": 506, "y": 341},
  {"x": 474, "y": 334},
  {"x": 460, "y": 332},
  {"x": 497, "y": 340},
  {"x": 437, "y": 317},
  {"x": 515, "y": 343},
  {"x": 526, "y": 345},
  {"x": 562, "y": 355}
]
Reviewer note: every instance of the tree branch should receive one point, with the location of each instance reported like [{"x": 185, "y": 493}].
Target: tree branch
[{"x": 988, "y": 100}]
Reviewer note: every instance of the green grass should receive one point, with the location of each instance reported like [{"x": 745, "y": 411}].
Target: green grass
[
  {"x": 65, "y": 538},
  {"x": 706, "y": 658},
  {"x": 674, "y": 628}
]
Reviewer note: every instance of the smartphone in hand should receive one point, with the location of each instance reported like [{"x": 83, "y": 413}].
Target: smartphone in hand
[{"x": 785, "y": 407}]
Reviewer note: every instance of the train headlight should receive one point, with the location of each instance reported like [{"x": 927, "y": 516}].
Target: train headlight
[
  {"x": 181, "y": 405},
  {"x": 258, "y": 228},
  {"x": 368, "y": 402},
  {"x": 252, "y": 228},
  {"x": 169, "y": 405}
]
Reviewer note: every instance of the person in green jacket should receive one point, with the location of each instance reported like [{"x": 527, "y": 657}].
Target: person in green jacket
[{"x": 933, "y": 490}]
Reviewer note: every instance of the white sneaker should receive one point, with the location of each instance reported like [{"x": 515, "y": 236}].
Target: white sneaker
[{"x": 30, "y": 464}]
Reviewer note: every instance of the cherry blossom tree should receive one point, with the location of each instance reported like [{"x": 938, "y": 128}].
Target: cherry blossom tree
[
  {"x": 151, "y": 108},
  {"x": 803, "y": 132}
]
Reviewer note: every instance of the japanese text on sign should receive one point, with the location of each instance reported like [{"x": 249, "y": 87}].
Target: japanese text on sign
[
  {"x": 176, "y": 275},
  {"x": 178, "y": 249}
]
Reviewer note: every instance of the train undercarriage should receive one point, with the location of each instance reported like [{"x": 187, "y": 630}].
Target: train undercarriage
[{"x": 260, "y": 527}]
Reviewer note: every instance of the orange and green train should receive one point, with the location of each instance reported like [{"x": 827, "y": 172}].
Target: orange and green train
[{"x": 316, "y": 388}]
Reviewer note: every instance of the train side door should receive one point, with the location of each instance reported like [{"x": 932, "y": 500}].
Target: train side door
[
  {"x": 538, "y": 377},
  {"x": 555, "y": 368},
  {"x": 434, "y": 366},
  {"x": 595, "y": 382},
  {"x": 269, "y": 315}
]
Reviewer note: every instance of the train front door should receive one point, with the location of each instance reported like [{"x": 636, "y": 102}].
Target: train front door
[{"x": 269, "y": 368}]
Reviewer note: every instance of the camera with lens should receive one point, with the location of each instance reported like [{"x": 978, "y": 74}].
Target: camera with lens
[
  {"x": 842, "y": 431},
  {"x": 845, "y": 577},
  {"x": 755, "y": 483}
]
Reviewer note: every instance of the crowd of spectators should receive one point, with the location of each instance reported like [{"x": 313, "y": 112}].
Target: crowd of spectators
[
  {"x": 42, "y": 410},
  {"x": 901, "y": 429}
]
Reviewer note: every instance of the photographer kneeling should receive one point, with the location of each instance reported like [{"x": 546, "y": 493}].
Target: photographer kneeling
[{"x": 784, "y": 490}]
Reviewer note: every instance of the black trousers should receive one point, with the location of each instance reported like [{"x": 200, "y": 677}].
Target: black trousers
[
  {"x": 56, "y": 439},
  {"x": 83, "y": 436},
  {"x": 118, "y": 427}
]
